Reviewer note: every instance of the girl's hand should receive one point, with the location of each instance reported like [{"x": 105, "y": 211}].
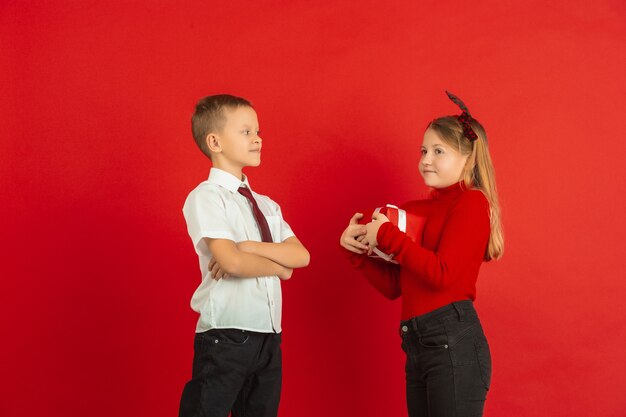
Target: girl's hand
[
  {"x": 216, "y": 270},
  {"x": 349, "y": 237},
  {"x": 372, "y": 230}
]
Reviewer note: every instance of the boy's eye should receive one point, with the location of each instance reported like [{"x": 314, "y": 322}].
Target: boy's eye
[{"x": 246, "y": 132}]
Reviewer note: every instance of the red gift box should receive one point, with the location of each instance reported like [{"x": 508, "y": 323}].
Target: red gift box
[{"x": 409, "y": 223}]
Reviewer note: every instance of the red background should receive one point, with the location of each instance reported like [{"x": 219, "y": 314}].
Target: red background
[{"x": 97, "y": 158}]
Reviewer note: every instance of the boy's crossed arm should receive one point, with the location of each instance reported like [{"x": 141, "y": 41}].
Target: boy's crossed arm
[
  {"x": 290, "y": 253},
  {"x": 252, "y": 259}
]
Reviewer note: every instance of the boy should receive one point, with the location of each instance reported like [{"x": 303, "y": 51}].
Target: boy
[{"x": 245, "y": 248}]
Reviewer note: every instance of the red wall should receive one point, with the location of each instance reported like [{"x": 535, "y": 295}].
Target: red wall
[{"x": 97, "y": 158}]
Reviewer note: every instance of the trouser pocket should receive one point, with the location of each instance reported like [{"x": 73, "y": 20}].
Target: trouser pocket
[
  {"x": 470, "y": 357},
  {"x": 483, "y": 356},
  {"x": 229, "y": 336}
]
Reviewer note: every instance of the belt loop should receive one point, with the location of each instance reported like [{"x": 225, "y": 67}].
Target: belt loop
[
  {"x": 414, "y": 324},
  {"x": 459, "y": 310}
]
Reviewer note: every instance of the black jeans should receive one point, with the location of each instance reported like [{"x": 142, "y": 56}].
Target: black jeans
[
  {"x": 448, "y": 364},
  {"x": 234, "y": 371}
]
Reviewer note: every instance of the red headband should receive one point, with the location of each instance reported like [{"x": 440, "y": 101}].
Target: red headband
[{"x": 465, "y": 118}]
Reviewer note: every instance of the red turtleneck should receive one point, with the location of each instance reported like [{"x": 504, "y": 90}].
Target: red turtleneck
[{"x": 439, "y": 266}]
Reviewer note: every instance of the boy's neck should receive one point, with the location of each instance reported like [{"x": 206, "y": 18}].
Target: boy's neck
[{"x": 235, "y": 171}]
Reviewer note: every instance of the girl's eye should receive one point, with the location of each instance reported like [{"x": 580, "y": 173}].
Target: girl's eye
[
  {"x": 423, "y": 151},
  {"x": 438, "y": 151}
]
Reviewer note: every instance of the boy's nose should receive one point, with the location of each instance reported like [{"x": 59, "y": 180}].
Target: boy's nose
[{"x": 258, "y": 139}]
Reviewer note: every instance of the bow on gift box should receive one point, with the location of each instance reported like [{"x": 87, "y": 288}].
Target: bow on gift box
[
  {"x": 397, "y": 217},
  {"x": 411, "y": 224}
]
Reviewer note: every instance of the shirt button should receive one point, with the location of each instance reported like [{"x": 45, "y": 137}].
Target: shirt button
[{"x": 405, "y": 329}]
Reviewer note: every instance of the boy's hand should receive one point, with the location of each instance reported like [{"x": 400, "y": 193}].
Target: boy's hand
[
  {"x": 350, "y": 237},
  {"x": 372, "y": 230},
  {"x": 216, "y": 270}
]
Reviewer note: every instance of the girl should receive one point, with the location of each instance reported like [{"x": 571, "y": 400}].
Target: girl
[{"x": 448, "y": 364}]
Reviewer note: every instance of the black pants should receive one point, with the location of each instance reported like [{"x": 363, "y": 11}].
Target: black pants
[
  {"x": 448, "y": 364},
  {"x": 234, "y": 371}
]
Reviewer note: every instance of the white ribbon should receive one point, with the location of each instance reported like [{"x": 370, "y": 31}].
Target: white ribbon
[{"x": 401, "y": 226}]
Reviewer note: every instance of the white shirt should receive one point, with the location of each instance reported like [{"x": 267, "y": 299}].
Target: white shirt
[{"x": 216, "y": 210}]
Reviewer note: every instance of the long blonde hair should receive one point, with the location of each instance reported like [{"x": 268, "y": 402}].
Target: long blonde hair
[{"x": 478, "y": 172}]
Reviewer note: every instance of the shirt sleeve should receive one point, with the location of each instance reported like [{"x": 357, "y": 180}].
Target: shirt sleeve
[
  {"x": 462, "y": 246},
  {"x": 205, "y": 214},
  {"x": 382, "y": 275}
]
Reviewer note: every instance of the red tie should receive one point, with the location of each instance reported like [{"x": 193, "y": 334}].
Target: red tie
[{"x": 258, "y": 215}]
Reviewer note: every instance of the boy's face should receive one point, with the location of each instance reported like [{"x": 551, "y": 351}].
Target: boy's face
[{"x": 239, "y": 140}]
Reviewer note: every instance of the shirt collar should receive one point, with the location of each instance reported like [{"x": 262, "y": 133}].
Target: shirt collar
[{"x": 226, "y": 180}]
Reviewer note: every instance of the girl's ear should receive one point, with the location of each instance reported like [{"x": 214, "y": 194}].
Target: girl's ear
[{"x": 213, "y": 143}]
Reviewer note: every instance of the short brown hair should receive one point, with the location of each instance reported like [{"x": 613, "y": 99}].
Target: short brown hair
[{"x": 209, "y": 117}]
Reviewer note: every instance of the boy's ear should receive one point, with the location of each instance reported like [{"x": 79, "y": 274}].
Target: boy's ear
[{"x": 213, "y": 143}]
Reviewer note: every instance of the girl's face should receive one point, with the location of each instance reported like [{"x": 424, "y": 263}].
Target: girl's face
[{"x": 440, "y": 164}]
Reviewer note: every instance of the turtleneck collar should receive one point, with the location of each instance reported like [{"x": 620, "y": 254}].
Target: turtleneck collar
[{"x": 448, "y": 192}]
